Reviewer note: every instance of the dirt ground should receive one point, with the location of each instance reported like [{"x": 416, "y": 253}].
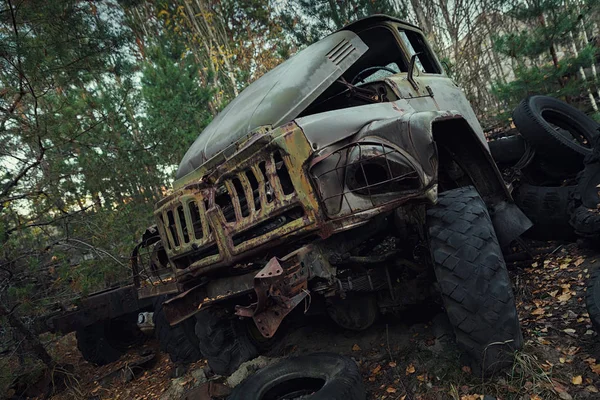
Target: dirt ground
[{"x": 413, "y": 356}]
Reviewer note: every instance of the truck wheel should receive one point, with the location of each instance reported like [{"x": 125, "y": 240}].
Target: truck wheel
[
  {"x": 320, "y": 376},
  {"x": 178, "y": 341},
  {"x": 94, "y": 345},
  {"x": 474, "y": 283},
  {"x": 556, "y": 129},
  {"x": 548, "y": 209},
  {"x": 227, "y": 341},
  {"x": 106, "y": 341}
]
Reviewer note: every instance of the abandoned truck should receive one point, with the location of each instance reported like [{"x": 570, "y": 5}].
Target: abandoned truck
[{"x": 354, "y": 175}]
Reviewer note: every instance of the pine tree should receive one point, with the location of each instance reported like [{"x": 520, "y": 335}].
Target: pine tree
[
  {"x": 547, "y": 59},
  {"x": 310, "y": 20}
]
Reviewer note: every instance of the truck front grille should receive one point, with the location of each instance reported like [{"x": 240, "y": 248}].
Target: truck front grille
[{"x": 204, "y": 225}]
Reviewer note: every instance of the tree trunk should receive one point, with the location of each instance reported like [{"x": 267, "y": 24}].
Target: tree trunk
[
  {"x": 582, "y": 73},
  {"x": 29, "y": 337}
]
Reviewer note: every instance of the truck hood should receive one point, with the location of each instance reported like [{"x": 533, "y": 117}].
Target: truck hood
[{"x": 277, "y": 97}]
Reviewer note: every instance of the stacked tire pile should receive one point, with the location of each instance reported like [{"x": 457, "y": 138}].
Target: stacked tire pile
[{"x": 554, "y": 164}]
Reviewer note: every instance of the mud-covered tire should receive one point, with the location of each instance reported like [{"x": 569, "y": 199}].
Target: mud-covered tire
[
  {"x": 321, "y": 376},
  {"x": 224, "y": 341},
  {"x": 537, "y": 117},
  {"x": 473, "y": 279},
  {"x": 592, "y": 299},
  {"x": 178, "y": 341},
  {"x": 548, "y": 209},
  {"x": 507, "y": 150}
]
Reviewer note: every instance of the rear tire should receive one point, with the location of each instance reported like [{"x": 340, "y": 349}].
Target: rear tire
[
  {"x": 474, "y": 282},
  {"x": 178, "y": 341},
  {"x": 94, "y": 345},
  {"x": 105, "y": 341}
]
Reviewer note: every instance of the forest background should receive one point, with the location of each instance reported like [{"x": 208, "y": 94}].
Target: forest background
[{"x": 99, "y": 100}]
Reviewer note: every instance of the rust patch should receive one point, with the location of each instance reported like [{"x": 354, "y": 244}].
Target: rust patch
[{"x": 279, "y": 287}]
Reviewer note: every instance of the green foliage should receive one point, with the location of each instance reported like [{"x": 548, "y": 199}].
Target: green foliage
[
  {"x": 176, "y": 104},
  {"x": 308, "y": 20},
  {"x": 539, "y": 67}
]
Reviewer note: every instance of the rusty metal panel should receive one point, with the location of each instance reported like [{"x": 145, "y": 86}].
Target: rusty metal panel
[
  {"x": 188, "y": 303},
  {"x": 97, "y": 307},
  {"x": 262, "y": 185}
]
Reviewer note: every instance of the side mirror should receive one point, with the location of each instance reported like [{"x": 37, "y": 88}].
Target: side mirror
[{"x": 411, "y": 68}]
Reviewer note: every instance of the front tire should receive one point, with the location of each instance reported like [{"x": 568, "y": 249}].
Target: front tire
[
  {"x": 178, "y": 341},
  {"x": 224, "y": 341},
  {"x": 473, "y": 279}
]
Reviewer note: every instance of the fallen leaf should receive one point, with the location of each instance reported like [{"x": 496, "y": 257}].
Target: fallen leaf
[
  {"x": 578, "y": 262},
  {"x": 577, "y": 380},
  {"x": 569, "y": 330},
  {"x": 562, "y": 360},
  {"x": 410, "y": 369},
  {"x": 534, "y": 397},
  {"x": 591, "y": 389},
  {"x": 356, "y": 347},
  {"x": 392, "y": 364},
  {"x": 538, "y": 311},
  {"x": 422, "y": 378},
  {"x": 564, "y": 297},
  {"x": 376, "y": 370},
  {"x": 553, "y": 293},
  {"x": 390, "y": 389},
  {"x": 595, "y": 368},
  {"x": 466, "y": 369}
]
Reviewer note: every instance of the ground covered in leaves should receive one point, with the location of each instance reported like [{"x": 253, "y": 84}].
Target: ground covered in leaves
[{"x": 412, "y": 356}]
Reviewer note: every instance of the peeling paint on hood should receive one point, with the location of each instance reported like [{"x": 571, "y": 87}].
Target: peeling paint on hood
[{"x": 277, "y": 97}]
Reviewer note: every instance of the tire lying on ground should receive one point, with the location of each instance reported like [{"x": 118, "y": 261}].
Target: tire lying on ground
[
  {"x": 507, "y": 150},
  {"x": 548, "y": 209},
  {"x": 592, "y": 299},
  {"x": 178, "y": 341},
  {"x": 557, "y": 130},
  {"x": 320, "y": 376},
  {"x": 106, "y": 341},
  {"x": 474, "y": 282}
]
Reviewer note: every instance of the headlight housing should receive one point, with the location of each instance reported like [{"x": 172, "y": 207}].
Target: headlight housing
[{"x": 362, "y": 175}]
